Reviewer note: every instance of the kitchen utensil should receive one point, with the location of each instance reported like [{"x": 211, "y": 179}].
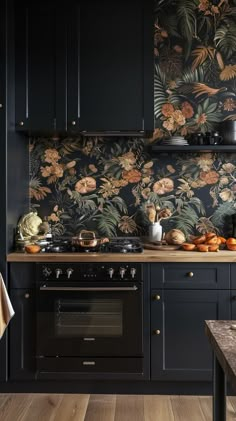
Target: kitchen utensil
[{"x": 88, "y": 239}]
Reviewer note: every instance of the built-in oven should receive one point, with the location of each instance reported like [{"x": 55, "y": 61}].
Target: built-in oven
[{"x": 89, "y": 318}]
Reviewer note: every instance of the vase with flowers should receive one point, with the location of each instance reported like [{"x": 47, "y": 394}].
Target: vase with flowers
[{"x": 175, "y": 119}]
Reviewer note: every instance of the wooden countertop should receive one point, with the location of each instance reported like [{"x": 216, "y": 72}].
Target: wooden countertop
[{"x": 148, "y": 256}]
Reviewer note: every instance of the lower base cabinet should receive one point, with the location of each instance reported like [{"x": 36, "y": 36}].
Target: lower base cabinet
[
  {"x": 179, "y": 347},
  {"x": 22, "y": 335}
]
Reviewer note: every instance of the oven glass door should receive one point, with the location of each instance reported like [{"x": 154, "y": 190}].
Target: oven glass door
[{"x": 90, "y": 319}]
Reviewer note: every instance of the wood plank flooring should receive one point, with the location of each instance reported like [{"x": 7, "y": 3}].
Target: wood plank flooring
[{"x": 59, "y": 407}]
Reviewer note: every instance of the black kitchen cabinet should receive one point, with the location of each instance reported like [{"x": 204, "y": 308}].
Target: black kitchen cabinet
[
  {"x": 22, "y": 335},
  {"x": 183, "y": 296},
  {"x": 22, "y": 328},
  {"x": 233, "y": 291},
  {"x": 84, "y": 65},
  {"x": 3, "y": 67},
  {"x": 179, "y": 348},
  {"x": 40, "y": 65},
  {"x": 116, "y": 59}
]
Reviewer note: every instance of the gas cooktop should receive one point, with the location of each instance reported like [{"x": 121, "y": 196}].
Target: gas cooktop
[{"x": 115, "y": 245}]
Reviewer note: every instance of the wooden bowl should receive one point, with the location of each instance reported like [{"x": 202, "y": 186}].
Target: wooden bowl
[{"x": 32, "y": 248}]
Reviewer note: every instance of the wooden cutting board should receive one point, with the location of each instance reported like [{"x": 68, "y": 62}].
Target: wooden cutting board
[{"x": 152, "y": 246}]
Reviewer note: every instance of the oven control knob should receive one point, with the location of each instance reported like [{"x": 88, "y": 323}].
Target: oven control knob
[
  {"x": 111, "y": 272},
  {"x": 133, "y": 272},
  {"x": 69, "y": 272},
  {"x": 58, "y": 273},
  {"x": 122, "y": 272},
  {"x": 46, "y": 272}
]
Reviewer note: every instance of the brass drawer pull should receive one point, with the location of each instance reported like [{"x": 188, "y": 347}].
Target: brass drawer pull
[
  {"x": 156, "y": 297},
  {"x": 27, "y": 295},
  {"x": 156, "y": 332},
  {"x": 190, "y": 274}
]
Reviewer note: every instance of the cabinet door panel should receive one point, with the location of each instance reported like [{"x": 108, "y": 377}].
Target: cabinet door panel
[
  {"x": 181, "y": 351},
  {"x": 111, "y": 57},
  {"x": 22, "y": 335},
  {"x": 39, "y": 34}
]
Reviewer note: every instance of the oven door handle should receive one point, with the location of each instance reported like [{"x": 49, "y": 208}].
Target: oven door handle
[{"x": 45, "y": 288}]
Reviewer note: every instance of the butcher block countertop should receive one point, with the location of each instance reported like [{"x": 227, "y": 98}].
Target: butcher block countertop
[{"x": 148, "y": 256}]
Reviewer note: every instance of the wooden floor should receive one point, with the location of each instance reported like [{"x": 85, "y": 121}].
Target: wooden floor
[{"x": 40, "y": 407}]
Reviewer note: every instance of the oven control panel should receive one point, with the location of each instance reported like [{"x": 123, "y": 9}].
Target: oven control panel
[{"x": 90, "y": 271}]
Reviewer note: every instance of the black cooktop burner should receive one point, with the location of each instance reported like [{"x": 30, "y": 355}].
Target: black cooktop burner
[
  {"x": 124, "y": 245},
  {"x": 57, "y": 247},
  {"x": 115, "y": 245}
]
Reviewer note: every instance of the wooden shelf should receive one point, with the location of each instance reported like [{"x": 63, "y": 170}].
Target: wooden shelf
[{"x": 193, "y": 148}]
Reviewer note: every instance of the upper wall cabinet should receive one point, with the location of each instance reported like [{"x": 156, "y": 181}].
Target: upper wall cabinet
[
  {"x": 41, "y": 56},
  {"x": 84, "y": 66}
]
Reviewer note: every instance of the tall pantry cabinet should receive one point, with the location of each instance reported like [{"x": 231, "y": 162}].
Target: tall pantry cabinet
[{"x": 14, "y": 157}]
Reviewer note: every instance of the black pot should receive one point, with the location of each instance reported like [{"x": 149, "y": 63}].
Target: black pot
[{"x": 228, "y": 131}]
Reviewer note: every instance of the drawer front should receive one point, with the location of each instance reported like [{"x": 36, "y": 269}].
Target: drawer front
[
  {"x": 22, "y": 275},
  {"x": 190, "y": 275}
]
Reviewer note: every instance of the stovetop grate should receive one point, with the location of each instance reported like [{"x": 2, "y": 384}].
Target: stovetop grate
[{"x": 115, "y": 245}]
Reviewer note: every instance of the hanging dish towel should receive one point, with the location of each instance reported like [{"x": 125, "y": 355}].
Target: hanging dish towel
[{"x": 6, "y": 309}]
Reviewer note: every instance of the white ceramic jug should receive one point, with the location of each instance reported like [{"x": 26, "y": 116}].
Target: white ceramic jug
[{"x": 155, "y": 232}]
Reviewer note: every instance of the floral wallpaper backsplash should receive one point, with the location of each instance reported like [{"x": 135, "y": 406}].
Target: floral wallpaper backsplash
[
  {"x": 195, "y": 65},
  {"x": 105, "y": 184}
]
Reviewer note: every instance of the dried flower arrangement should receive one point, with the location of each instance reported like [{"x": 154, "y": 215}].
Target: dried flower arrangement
[{"x": 156, "y": 214}]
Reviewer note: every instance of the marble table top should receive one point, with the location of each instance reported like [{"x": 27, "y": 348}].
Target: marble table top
[{"x": 222, "y": 337}]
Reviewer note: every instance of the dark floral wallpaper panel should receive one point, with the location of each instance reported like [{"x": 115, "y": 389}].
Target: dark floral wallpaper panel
[{"x": 105, "y": 184}]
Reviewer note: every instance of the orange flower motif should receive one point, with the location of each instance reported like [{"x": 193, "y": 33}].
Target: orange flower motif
[
  {"x": 210, "y": 177},
  {"x": 229, "y": 104},
  {"x": 169, "y": 124},
  {"x": 167, "y": 110},
  {"x": 46, "y": 171},
  {"x": 165, "y": 185},
  {"x": 51, "y": 155},
  {"x": 57, "y": 169},
  {"x": 86, "y": 185},
  {"x": 202, "y": 119},
  {"x": 132, "y": 176},
  {"x": 187, "y": 109},
  {"x": 204, "y": 5},
  {"x": 53, "y": 217}
]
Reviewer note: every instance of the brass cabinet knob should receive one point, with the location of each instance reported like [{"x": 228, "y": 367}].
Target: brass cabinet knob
[
  {"x": 190, "y": 274},
  {"x": 27, "y": 295},
  {"x": 156, "y": 332},
  {"x": 21, "y": 123},
  {"x": 1, "y": 105},
  {"x": 156, "y": 297},
  {"x": 73, "y": 123}
]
